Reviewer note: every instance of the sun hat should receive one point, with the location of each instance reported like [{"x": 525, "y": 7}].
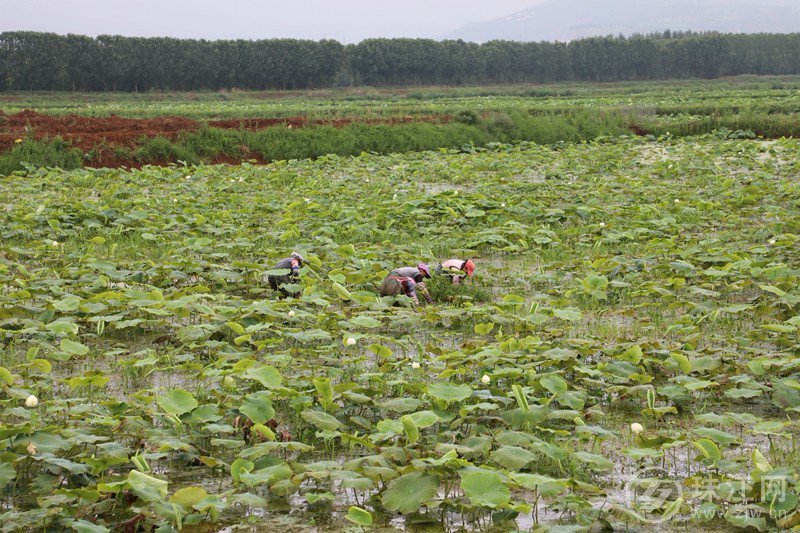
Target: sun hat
[{"x": 422, "y": 267}]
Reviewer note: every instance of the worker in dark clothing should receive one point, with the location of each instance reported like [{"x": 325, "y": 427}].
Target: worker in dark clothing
[
  {"x": 456, "y": 269},
  {"x": 292, "y": 265},
  {"x": 407, "y": 281}
]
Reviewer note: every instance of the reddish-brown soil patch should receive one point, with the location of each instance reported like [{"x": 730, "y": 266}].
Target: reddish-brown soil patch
[
  {"x": 105, "y": 134},
  {"x": 87, "y": 132}
]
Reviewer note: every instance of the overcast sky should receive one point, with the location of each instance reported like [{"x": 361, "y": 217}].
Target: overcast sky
[{"x": 344, "y": 20}]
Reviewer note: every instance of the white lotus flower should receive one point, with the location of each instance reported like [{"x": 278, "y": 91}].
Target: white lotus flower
[
  {"x": 772, "y": 241},
  {"x": 31, "y": 449},
  {"x": 31, "y": 401},
  {"x": 415, "y": 365},
  {"x": 677, "y": 201},
  {"x": 636, "y": 428},
  {"x": 486, "y": 379},
  {"x": 350, "y": 341},
  {"x": 54, "y": 244},
  {"x": 602, "y": 224},
  {"x": 291, "y": 313}
]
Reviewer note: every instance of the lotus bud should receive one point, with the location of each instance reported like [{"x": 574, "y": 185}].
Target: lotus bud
[
  {"x": 772, "y": 241},
  {"x": 228, "y": 383},
  {"x": 677, "y": 201},
  {"x": 415, "y": 365},
  {"x": 602, "y": 224},
  {"x": 31, "y": 401},
  {"x": 291, "y": 312},
  {"x": 350, "y": 341},
  {"x": 486, "y": 379},
  {"x": 54, "y": 244},
  {"x": 636, "y": 428}
]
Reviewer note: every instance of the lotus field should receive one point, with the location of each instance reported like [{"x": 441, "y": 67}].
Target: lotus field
[{"x": 626, "y": 355}]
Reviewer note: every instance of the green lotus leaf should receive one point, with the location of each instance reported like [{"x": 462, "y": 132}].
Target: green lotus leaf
[
  {"x": 177, "y": 402},
  {"x": 407, "y": 493},
  {"x": 485, "y": 488}
]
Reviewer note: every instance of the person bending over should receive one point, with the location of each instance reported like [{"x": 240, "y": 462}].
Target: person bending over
[
  {"x": 456, "y": 269},
  {"x": 292, "y": 264},
  {"x": 407, "y": 281}
]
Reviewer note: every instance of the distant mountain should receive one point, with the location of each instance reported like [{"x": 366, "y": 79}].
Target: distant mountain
[{"x": 565, "y": 20}]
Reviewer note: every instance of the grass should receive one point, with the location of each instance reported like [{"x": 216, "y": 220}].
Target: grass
[
  {"x": 709, "y": 94},
  {"x": 478, "y": 116},
  {"x": 442, "y": 289},
  {"x": 48, "y": 153},
  {"x": 280, "y": 143}
]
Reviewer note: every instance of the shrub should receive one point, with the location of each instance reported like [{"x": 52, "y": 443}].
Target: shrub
[
  {"x": 160, "y": 150},
  {"x": 467, "y": 116},
  {"x": 48, "y": 153}
]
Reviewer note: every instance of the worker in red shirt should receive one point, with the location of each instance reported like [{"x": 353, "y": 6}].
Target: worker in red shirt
[{"x": 456, "y": 269}]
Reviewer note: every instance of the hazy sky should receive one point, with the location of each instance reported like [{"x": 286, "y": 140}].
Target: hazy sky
[{"x": 345, "y": 20}]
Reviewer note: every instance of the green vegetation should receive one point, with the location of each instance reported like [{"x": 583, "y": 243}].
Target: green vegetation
[
  {"x": 43, "y": 61},
  {"x": 149, "y": 378},
  {"x": 277, "y": 143},
  {"x": 52, "y": 153},
  {"x": 355, "y": 121},
  {"x": 767, "y": 94}
]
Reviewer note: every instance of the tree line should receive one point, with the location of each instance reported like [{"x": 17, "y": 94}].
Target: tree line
[{"x": 47, "y": 61}]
